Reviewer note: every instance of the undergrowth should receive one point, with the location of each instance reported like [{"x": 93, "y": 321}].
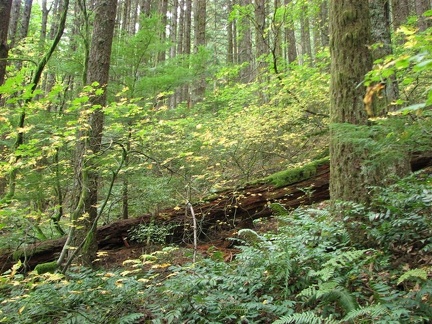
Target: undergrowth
[{"x": 307, "y": 271}]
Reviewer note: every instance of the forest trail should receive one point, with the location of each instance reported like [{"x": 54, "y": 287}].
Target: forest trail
[{"x": 218, "y": 217}]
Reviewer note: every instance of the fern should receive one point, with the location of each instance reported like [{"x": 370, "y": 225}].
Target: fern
[
  {"x": 414, "y": 273},
  {"x": 343, "y": 297},
  {"x": 131, "y": 318},
  {"x": 345, "y": 259},
  {"x": 331, "y": 292},
  {"x": 305, "y": 318},
  {"x": 374, "y": 311}
]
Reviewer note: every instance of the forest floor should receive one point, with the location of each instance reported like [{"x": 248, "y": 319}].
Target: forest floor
[{"x": 222, "y": 244}]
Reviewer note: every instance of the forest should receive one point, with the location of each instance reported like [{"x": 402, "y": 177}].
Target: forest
[{"x": 215, "y": 161}]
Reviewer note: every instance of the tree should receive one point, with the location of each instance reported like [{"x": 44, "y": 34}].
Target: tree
[
  {"x": 401, "y": 11},
  {"x": 200, "y": 10},
  {"x": 5, "y": 9},
  {"x": 89, "y": 142},
  {"x": 260, "y": 35},
  {"x": 421, "y": 7},
  {"x": 382, "y": 46},
  {"x": 25, "y": 22},
  {"x": 350, "y": 61},
  {"x": 290, "y": 37},
  {"x": 13, "y": 25}
]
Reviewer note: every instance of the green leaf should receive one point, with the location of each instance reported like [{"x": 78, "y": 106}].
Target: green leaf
[{"x": 414, "y": 273}]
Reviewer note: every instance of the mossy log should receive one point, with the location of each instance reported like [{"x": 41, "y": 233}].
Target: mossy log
[{"x": 229, "y": 209}]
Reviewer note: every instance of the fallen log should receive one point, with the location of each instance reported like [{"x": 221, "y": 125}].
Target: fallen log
[{"x": 233, "y": 209}]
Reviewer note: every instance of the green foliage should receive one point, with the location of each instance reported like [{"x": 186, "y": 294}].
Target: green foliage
[
  {"x": 400, "y": 219},
  {"x": 308, "y": 271},
  {"x": 84, "y": 297},
  {"x": 412, "y": 67},
  {"x": 306, "y": 318},
  {"x": 151, "y": 233},
  {"x": 414, "y": 273}
]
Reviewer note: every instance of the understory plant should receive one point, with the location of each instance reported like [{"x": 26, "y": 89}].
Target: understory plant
[{"x": 307, "y": 270}]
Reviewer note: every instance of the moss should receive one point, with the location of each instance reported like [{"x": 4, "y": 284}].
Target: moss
[
  {"x": 46, "y": 267},
  {"x": 287, "y": 177}
]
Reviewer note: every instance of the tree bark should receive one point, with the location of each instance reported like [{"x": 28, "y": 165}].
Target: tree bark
[
  {"x": 260, "y": 35},
  {"x": 245, "y": 46},
  {"x": 305, "y": 33},
  {"x": 350, "y": 61},
  {"x": 25, "y": 22},
  {"x": 5, "y": 11},
  {"x": 381, "y": 38},
  {"x": 400, "y": 10},
  {"x": 163, "y": 10},
  {"x": 290, "y": 36},
  {"x": 421, "y": 7},
  {"x": 14, "y": 18},
  {"x": 323, "y": 24},
  {"x": 86, "y": 173},
  {"x": 200, "y": 16}
]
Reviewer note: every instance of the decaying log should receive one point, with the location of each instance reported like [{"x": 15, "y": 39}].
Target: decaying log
[{"x": 232, "y": 208}]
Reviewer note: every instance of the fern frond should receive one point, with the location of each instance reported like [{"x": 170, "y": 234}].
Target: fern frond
[
  {"x": 413, "y": 273},
  {"x": 374, "y": 311},
  {"x": 344, "y": 298},
  {"x": 131, "y": 318},
  {"x": 324, "y": 213},
  {"x": 346, "y": 258},
  {"x": 305, "y": 318},
  {"x": 325, "y": 273},
  {"x": 308, "y": 292},
  {"x": 331, "y": 292}
]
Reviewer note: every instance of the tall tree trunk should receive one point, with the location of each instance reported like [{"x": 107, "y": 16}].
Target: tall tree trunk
[
  {"x": 173, "y": 35},
  {"x": 245, "y": 47},
  {"x": 145, "y": 7},
  {"x": 350, "y": 61},
  {"x": 421, "y": 7},
  {"x": 290, "y": 36},
  {"x": 231, "y": 36},
  {"x": 163, "y": 10},
  {"x": 13, "y": 25},
  {"x": 44, "y": 23},
  {"x": 260, "y": 34},
  {"x": 400, "y": 10},
  {"x": 186, "y": 44},
  {"x": 384, "y": 102},
  {"x": 25, "y": 21},
  {"x": 381, "y": 37},
  {"x": 323, "y": 23},
  {"x": 5, "y": 10},
  {"x": 276, "y": 47},
  {"x": 86, "y": 174},
  {"x": 200, "y": 16},
  {"x": 305, "y": 33}
]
